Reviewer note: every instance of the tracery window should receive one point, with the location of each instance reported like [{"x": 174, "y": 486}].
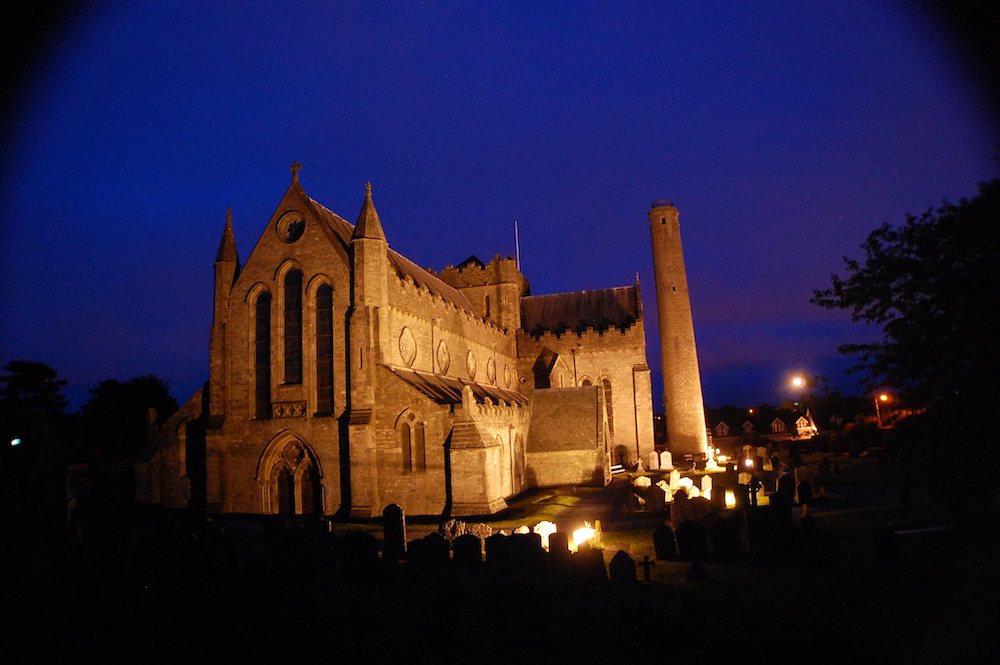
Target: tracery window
[
  {"x": 411, "y": 440},
  {"x": 293, "y": 327},
  {"x": 324, "y": 349},
  {"x": 262, "y": 356}
]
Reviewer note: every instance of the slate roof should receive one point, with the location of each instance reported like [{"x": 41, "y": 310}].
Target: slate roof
[
  {"x": 448, "y": 390},
  {"x": 599, "y": 309},
  {"x": 403, "y": 266}
]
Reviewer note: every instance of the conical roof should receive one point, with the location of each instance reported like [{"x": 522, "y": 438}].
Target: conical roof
[
  {"x": 368, "y": 225},
  {"x": 227, "y": 245}
]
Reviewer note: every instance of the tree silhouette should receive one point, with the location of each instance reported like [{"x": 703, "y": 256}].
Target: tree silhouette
[
  {"x": 32, "y": 450},
  {"x": 931, "y": 285},
  {"x": 116, "y": 417}
]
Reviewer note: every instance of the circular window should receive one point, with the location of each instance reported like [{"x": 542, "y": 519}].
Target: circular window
[{"x": 290, "y": 226}]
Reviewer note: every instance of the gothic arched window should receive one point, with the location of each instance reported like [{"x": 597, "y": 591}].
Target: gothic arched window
[
  {"x": 411, "y": 440},
  {"x": 324, "y": 349},
  {"x": 286, "y": 491},
  {"x": 262, "y": 356},
  {"x": 293, "y": 327}
]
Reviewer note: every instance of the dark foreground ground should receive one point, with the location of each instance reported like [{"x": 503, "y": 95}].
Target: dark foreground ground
[{"x": 889, "y": 584}]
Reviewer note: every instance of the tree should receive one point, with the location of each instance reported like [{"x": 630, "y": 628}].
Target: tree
[
  {"x": 33, "y": 446},
  {"x": 31, "y": 387},
  {"x": 115, "y": 418},
  {"x": 932, "y": 286}
]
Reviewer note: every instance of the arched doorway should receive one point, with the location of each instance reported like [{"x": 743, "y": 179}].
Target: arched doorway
[{"x": 289, "y": 479}]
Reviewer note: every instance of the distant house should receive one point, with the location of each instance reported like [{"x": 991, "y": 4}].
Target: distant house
[
  {"x": 778, "y": 426},
  {"x": 722, "y": 429},
  {"x": 805, "y": 426},
  {"x": 747, "y": 427}
]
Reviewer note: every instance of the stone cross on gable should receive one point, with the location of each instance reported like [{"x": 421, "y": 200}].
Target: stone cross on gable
[{"x": 295, "y": 168}]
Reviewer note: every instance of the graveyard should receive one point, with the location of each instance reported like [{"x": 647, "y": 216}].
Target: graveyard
[{"x": 855, "y": 574}]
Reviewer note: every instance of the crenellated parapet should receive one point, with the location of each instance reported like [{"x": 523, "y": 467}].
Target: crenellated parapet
[
  {"x": 442, "y": 306},
  {"x": 473, "y": 272},
  {"x": 590, "y": 338}
]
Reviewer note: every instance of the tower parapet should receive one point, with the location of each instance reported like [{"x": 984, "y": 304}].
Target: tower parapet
[{"x": 493, "y": 288}]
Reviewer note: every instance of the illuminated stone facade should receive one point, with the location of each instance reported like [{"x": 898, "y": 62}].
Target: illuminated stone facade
[{"x": 343, "y": 378}]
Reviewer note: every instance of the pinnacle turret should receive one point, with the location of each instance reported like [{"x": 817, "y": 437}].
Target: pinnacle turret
[
  {"x": 368, "y": 225},
  {"x": 227, "y": 245}
]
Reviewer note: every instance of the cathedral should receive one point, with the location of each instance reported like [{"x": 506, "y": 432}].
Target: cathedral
[{"x": 343, "y": 377}]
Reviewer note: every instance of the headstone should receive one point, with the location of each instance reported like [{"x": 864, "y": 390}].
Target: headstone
[
  {"x": 666, "y": 461},
  {"x": 725, "y": 538},
  {"x": 654, "y": 461},
  {"x": 438, "y": 549},
  {"x": 526, "y": 553},
  {"x": 754, "y": 489},
  {"x": 468, "y": 550},
  {"x": 394, "y": 533},
  {"x": 622, "y": 568},
  {"x": 784, "y": 495},
  {"x": 559, "y": 544},
  {"x": 663, "y": 543},
  {"x": 545, "y": 529},
  {"x": 360, "y": 555},
  {"x": 706, "y": 486},
  {"x": 646, "y": 564},
  {"x": 655, "y": 499},
  {"x": 497, "y": 549},
  {"x": 692, "y": 543},
  {"x": 675, "y": 480},
  {"x": 588, "y": 565}
]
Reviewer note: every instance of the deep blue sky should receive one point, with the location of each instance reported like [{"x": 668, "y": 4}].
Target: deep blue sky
[{"x": 783, "y": 131}]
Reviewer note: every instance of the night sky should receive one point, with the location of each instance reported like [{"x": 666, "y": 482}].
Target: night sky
[{"x": 784, "y": 132}]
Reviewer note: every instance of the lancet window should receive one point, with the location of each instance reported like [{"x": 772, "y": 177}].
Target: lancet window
[
  {"x": 262, "y": 356},
  {"x": 324, "y": 350},
  {"x": 293, "y": 327}
]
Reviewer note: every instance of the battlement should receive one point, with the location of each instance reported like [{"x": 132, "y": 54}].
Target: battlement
[
  {"x": 588, "y": 335},
  {"x": 414, "y": 289},
  {"x": 473, "y": 272}
]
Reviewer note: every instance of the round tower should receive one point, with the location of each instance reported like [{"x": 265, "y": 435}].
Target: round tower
[{"x": 685, "y": 410}]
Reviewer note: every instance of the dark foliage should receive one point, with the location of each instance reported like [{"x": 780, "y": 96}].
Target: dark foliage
[
  {"x": 931, "y": 285},
  {"x": 117, "y": 416}
]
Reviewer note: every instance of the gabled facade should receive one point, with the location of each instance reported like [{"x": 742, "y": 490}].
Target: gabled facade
[{"x": 343, "y": 378}]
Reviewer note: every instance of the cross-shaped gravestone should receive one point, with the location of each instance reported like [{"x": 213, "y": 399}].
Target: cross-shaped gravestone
[{"x": 646, "y": 564}]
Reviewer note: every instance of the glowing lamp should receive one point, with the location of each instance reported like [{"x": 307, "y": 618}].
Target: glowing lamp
[
  {"x": 15, "y": 442},
  {"x": 748, "y": 463},
  {"x": 723, "y": 459},
  {"x": 582, "y": 535},
  {"x": 730, "y": 499}
]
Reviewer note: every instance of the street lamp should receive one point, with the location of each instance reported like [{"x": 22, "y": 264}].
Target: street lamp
[
  {"x": 881, "y": 397},
  {"x": 799, "y": 382}
]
